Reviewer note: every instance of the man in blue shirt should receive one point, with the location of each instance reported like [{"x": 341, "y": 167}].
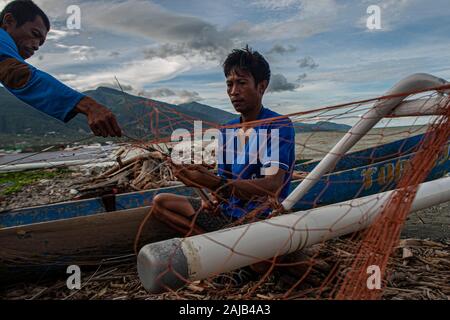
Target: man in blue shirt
[
  {"x": 23, "y": 29},
  {"x": 255, "y": 161}
]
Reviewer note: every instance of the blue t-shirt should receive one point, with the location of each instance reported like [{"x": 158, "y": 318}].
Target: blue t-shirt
[
  {"x": 41, "y": 90},
  {"x": 269, "y": 144}
]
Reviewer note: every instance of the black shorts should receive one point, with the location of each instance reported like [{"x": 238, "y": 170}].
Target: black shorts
[{"x": 209, "y": 221}]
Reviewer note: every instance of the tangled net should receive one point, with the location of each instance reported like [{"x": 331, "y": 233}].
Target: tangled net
[{"x": 393, "y": 155}]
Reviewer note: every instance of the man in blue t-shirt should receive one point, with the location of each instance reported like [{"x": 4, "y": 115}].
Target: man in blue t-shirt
[
  {"x": 23, "y": 29},
  {"x": 255, "y": 161}
]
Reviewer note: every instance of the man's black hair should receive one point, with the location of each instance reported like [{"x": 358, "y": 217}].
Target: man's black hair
[
  {"x": 247, "y": 60},
  {"x": 24, "y": 11}
]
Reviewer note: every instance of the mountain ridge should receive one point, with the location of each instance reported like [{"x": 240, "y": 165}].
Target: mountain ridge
[{"x": 141, "y": 117}]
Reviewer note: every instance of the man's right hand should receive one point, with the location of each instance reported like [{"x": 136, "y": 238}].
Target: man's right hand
[{"x": 100, "y": 119}]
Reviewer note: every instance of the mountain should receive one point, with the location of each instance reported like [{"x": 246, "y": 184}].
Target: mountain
[
  {"x": 139, "y": 117},
  {"x": 18, "y": 118},
  {"x": 203, "y": 111}
]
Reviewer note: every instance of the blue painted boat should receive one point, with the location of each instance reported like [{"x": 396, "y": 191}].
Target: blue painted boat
[{"x": 89, "y": 231}]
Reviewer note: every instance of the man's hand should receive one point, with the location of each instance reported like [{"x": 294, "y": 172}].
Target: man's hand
[
  {"x": 211, "y": 206},
  {"x": 299, "y": 175},
  {"x": 100, "y": 119},
  {"x": 195, "y": 175}
]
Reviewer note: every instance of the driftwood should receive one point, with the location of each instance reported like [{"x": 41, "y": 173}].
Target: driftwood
[
  {"x": 145, "y": 171},
  {"x": 136, "y": 159}
]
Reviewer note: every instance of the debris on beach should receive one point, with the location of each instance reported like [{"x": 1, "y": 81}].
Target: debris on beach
[
  {"x": 144, "y": 170},
  {"x": 422, "y": 275}
]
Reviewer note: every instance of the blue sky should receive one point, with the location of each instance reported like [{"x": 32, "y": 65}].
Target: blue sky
[{"x": 321, "y": 51}]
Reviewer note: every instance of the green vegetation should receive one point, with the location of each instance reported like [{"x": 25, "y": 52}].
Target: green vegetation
[{"x": 13, "y": 182}]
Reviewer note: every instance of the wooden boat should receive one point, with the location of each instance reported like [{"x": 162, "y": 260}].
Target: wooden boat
[{"x": 89, "y": 232}]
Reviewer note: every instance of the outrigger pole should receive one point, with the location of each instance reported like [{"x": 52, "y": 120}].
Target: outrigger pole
[{"x": 380, "y": 110}]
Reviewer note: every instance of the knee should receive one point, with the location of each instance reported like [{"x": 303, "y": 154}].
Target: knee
[
  {"x": 160, "y": 200},
  {"x": 158, "y": 205}
]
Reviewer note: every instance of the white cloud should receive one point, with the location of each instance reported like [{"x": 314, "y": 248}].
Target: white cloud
[
  {"x": 172, "y": 96},
  {"x": 279, "y": 83},
  {"x": 281, "y": 50},
  {"x": 57, "y": 35},
  {"x": 170, "y": 31},
  {"x": 77, "y": 52},
  {"x": 179, "y": 34},
  {"x": 307, "y": 62},
  {"x": 275, "y": 4},
  {"x": 136, "y": 73},
  {"x": 3, "y": 4},
  {"x": 369, "y": 66},
  {"x": 176, "y": 32},
  {"x": 313, "y": 17},
  {"x": 55, "y": 9}
]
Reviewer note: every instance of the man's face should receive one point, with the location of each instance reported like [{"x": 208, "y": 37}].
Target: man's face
[
  {"x": 28, "y": 37},
  {"x": 244, "y": 94}
]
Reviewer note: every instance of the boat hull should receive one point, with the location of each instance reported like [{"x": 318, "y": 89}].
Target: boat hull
[{"x": 88, "y": 232}]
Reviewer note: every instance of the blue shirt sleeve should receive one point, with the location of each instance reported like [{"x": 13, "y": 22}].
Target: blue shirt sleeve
[
  {"x": 48, "y": 95},
  {"x": 41, "y": 90}
]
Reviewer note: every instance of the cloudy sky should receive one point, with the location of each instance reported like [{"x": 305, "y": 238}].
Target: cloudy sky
[{"x": 320, "y": 51}]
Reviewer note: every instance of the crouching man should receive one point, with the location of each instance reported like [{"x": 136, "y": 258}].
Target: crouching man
[{"x": 246, "y": 181}]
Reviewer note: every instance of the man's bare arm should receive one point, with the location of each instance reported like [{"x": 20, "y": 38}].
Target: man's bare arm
[
  {"x": 267, "y": 186},
  {"x": 200, "y": 177}
]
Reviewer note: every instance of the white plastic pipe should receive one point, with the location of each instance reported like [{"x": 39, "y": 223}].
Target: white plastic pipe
[
  {"x": 165, "y": 264},
  {"x": 415, "y": 82},
  {"x": 421, "y": 107}
]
